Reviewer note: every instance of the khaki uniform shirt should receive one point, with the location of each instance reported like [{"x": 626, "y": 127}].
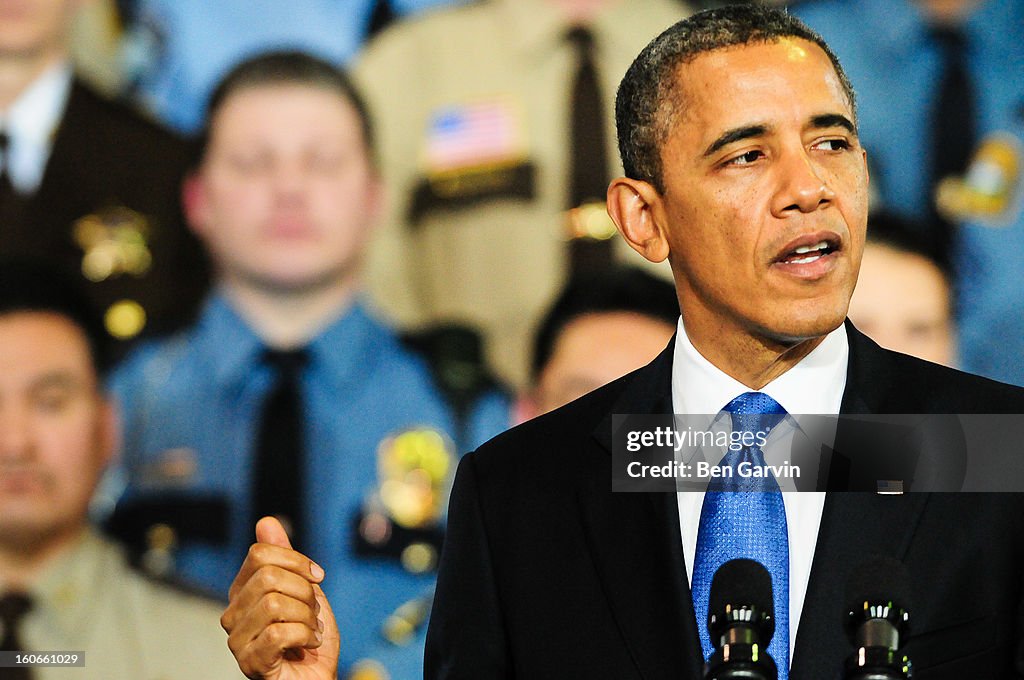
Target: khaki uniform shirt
[
  {"x": 471, "y": 107},
  {"x": 130, "y": 628}
]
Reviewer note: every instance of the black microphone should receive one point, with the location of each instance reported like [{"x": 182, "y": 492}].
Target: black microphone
[
  {"x": 741, "y": 621},
  {"x": 877, "y": 620}
]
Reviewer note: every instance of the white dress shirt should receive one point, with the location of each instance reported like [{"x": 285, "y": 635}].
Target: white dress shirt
[
  {"x": 813, "y": 386},
  {"x": 30, "y": 123}
]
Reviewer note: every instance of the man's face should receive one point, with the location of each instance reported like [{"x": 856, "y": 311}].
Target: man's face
[
  {"x": 286, "y": 195},
  {"x": 594, "y": 349},
  {"x": 902, "y": 302},
  {"x": 765, "y": 199},
  {"x": 29, "y": 28},
  {"x": 56, "y": 430}
]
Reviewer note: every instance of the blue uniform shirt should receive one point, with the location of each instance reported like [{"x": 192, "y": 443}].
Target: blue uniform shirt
[
  {"x": 190, "y": 404},
  {"x": 895, "y": 64},
  {"x": 178, "y": 49}
]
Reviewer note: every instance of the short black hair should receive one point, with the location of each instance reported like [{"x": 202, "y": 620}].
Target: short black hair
[
  {"x": 30, "y": 285},
  {"x": 287, "y": 67},
  {"x": 623, "y": 289},
  {"x": 648, "y": 99},
  {"x": 906, "y": 235}
]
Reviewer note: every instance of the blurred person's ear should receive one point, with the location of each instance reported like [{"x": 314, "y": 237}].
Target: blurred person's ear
[
  {"x": 633, "y": 206},
  {"x": 375, "y": 197},
  {"x": 526, "y": 407},
  {"x": 195, "y": 203},
  {"x": 108, "y": 431}
]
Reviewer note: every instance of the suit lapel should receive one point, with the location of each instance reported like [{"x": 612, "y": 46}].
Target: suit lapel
[
  {"x": 635, "y": 541},
  {"x": 636, "y": 546},
  {"x": 854, "y": 526}
]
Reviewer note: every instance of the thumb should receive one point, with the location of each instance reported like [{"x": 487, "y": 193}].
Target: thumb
[{"x": 270, "y": 530}]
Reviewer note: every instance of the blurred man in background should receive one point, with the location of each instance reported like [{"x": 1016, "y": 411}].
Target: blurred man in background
[
  {"x": 86, "y": 183},
  {"x": 903, "y": 299},
  {"x": 946, "y": 145},
  {"x": 62, "y": 585},
  {"x": 497, "y": 145},
  {"x": 599, "y": 328},
  {"x": 288, "y": 397}
]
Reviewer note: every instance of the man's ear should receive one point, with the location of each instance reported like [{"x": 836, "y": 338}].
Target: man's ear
[
  {"x": 375, "y": 198},
  {"x": 109, "y": 430},
  {"x": 194, "y": 203},
  {"x": 631, "y": 204}
]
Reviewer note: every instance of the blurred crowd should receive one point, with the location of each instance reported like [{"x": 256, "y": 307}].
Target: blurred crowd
[{"x": 294, "y": 258}]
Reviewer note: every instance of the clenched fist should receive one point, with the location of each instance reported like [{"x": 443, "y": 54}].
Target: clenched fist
[{"x": 279, "y": 624}]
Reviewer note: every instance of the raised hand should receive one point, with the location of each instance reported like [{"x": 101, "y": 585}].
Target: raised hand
[{"x": 279, "y": 623}]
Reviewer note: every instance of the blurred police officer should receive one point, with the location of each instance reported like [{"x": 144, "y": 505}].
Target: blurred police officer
[
  {"x": 63, "y": 587},
  {"x": 497, "y": 165},
  {"x": 87, "y": 183},
  {"x": 287, "y": 372}
]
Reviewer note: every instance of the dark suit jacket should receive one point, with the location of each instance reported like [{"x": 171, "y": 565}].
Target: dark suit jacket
[
  {"x": 104, "y": 158},
  {"x": 548, "y": 574}
]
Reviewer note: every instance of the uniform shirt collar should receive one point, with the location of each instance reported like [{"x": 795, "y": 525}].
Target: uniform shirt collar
[
  {"x": 813, "y": 386},
  {"x": 898, "y": 24},
  {"x": 535, "y": 25},
  {"x": 68, "y": 583},
  {"x": 30, "y": 123},
  {"x": 342, "y": 349}
]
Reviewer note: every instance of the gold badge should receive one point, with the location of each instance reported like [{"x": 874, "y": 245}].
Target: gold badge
[
  {"x": 114, "y": 242},
  {"x": 368, "y": 669},
  {"x": 413, "y": 469},
  {"x": 990, "y": 192},
  {"x": 403, "y": 624}
]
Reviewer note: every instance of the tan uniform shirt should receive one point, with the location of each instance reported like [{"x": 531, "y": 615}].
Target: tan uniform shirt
[
  {"x": 130, "y": 628},
  {"x": 471, "y": 108}
]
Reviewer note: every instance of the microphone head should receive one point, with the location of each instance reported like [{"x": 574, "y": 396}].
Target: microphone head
[
  {"x": 741, "y": 592},
  {"x": 878, "y": 589}
]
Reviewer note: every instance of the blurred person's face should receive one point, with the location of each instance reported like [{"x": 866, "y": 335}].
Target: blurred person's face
[
  {"x": 286, "y": 195},
  {"x": 594, "y": 349},
  {"x": 57, "y": 432},
  {"x": 765, "y": 204},
  {"x": 902, "y": 302},
  {"x": 30, "y": 28}
]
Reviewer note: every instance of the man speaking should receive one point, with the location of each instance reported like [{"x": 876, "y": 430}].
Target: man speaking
[{"x": 738, "y": 134}]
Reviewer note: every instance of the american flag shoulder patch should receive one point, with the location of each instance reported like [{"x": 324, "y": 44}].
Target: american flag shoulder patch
[{"x": 473, "y": 135}]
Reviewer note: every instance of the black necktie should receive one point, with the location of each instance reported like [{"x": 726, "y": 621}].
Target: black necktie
[
  {"x": 590, "y": 249},
  {"x": 5, "y": 163},
  {"x": 954, "y": 133},
  {"x": 278, "y": 487},
  {"x": 13, "y": 607}
]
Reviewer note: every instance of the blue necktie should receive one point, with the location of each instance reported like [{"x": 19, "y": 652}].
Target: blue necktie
[{"x": 745, "y": 517}]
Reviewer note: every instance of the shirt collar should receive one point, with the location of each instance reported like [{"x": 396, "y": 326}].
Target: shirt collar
[
  {"x": 349, "y": 347},
  {"x": 535, "y": 25},
  {"x": 898, "y": 24},
  {"x": 224, "y": 339},
  {"x": 992, "y": 13},
  {"x": 30, "y": 123},
  {"x": 340, "y": 352},
  {"x": 813, "y": 386},
  {"x": 69, "y": 582}
]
